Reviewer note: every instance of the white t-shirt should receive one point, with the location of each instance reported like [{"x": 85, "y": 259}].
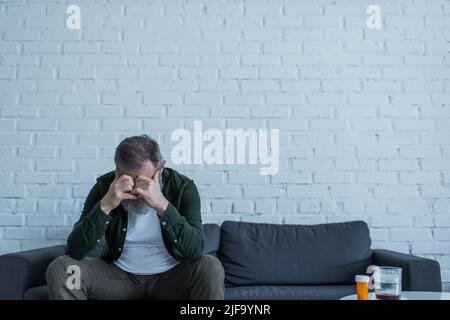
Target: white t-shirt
[{"x": 144, "y": 251}]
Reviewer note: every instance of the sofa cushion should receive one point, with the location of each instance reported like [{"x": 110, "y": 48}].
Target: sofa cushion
[
  {"x": 37, "y": 293},
  {"x": 289, "y": 292},
  {"x": 263, "y": 254}
]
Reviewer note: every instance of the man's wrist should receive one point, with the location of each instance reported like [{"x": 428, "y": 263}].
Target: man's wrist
[
  {"x": 104, "y": 207},
  {"x": 162, "y": 206}
]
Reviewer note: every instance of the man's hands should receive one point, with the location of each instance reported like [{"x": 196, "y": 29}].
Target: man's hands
[
  {"x": 145, "y": 188},
  {"x": 119, "y": 190},
  {"x": 150, "y": 190}
]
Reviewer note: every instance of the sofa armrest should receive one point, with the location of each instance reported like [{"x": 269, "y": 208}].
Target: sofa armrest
[
  {"x": 21, "y": 271},
  {"x": 419, "y": 274}
]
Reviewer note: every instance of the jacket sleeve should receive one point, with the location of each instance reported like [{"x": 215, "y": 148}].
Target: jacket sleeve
[
  {"x": 184, "y": 227},
  {"x": 90, "y": 228}
]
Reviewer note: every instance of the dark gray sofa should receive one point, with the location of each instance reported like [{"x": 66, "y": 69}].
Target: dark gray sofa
[{"x": 261, "y": 261}]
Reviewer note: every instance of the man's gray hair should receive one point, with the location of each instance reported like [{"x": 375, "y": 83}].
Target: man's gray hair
[{"x": 132, "y": 152}]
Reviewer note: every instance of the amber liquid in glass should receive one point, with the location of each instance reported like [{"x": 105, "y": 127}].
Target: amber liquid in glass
[
  {"x": 388, "y": 291},
  {"x": 382, "y": 296}
]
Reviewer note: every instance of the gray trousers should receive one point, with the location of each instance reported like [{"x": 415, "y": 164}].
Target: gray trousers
[{"x": 202, "y": 279}]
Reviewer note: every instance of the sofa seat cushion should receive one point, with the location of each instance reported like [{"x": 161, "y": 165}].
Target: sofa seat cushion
[
  {"x": 37, "y": 293},
  {"x": 270, "y": 254},
  {"x": 289, "y": 292}
]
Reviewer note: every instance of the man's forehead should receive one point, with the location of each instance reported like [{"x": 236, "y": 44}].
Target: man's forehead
[{"x": 147, "y": 169}]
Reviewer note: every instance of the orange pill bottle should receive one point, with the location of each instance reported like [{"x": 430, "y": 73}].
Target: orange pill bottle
[{"x": 362, "y": 287}]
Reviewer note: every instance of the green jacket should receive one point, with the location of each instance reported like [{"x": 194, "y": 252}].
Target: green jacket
[{"x": 181, "y": 223}]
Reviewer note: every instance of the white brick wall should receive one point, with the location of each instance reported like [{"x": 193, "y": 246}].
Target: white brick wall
[{"x": 364, "y": 115}]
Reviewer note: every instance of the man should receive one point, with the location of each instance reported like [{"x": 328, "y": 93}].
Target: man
[{"x": 150, "y": 218}]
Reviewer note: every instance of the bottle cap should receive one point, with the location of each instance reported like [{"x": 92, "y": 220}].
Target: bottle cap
[{"x": 360, "y": 278}]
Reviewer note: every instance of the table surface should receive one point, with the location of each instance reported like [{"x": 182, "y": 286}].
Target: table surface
[{"x": 411, "y": 295}]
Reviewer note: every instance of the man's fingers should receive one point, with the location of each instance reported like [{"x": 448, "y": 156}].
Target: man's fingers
[
  {"x": 124, "y": 177},
  {"x": 132, "y": 191},
  {"x": 126, "y": 185},
  {"x": 142, "y": 178},
  {"x": 140, "y": 191},
  {"x": 142, "y": 184},
  {"x": 129, "y": 196},
  {"x": 127, "y": 188}
]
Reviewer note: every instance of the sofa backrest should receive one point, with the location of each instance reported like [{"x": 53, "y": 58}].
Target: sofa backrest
[{"x": 260, "y": 253}]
